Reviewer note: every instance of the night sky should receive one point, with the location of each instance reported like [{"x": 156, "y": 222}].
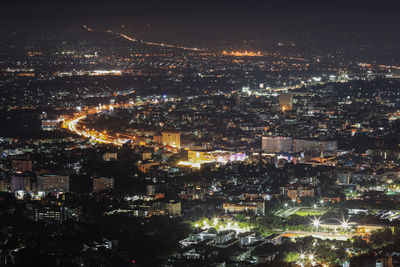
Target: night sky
[{"x": 280, "y": 15}]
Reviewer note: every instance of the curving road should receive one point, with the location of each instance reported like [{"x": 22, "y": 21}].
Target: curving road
[{"x": 72, "y": 126}]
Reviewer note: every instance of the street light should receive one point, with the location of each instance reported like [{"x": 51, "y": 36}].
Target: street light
[
  {"x": 215, "y": 221},
  {"x": 316, "y": 222},
  {"x": 345, "y": 224}
]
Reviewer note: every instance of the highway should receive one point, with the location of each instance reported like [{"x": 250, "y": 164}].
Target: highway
[
  {"x": 132, "y": 39},
  {"x": 72, "y": 126}
]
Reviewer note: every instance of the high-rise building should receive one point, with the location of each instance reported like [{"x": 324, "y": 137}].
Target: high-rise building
[
  {"x": 171, "y": 138},
  {"x": 103, "y": 184},
  {"x": 238, "y": 101},
  {"x": 277, "y": 144},
  {"x": 22, "y": 165},
  {"x": 151, "y": 190},
  {"x": 173, "y": 208},
  {"x": 53, "y": 183},
  {"x": 286, "y": 101}
]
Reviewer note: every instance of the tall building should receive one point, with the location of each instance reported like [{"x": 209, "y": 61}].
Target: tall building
[
  {"x": 171, "y": 138},
  {"x": 20, "y": 182},
  {"x": 22, "y": 165},
  {"x": 277, "y": 144},
  {"x": 53, "y": 183},
  {"x": 151, "y": 190},
  {"x": 103, "y": 184},
  {"x": 173, "y": 208},
  {"x": 238, "y": 101},
  {"x": 286, "y": 101}
]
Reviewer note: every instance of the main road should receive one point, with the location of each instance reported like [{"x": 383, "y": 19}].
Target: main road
[
  {"x": 321, "y": 235},
  {"x": 95, "y": 136}
]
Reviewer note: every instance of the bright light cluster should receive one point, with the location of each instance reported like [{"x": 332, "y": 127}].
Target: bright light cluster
[
  {"x": 243, "y": 54},
  {"x": 222, "y": 225}
]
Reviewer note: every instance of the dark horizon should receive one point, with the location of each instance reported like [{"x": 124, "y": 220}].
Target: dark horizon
[{"x": 290, "y": 16}]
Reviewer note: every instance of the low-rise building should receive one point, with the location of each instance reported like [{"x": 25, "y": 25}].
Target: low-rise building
[
  {"x": 103, "y": 184},
  {"x": 296, "y": 192},
  {"x": 52, "y": 183}
]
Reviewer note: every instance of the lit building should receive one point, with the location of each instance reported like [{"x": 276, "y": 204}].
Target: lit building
[
  {"x": 110, "y": 156},
  {"x": 238, "y": 101},
  {"x": 254, "y": 207},
  {"x": 277, "y": 144},
  {"x": 2, "y": 185},
  {"x": 296, "y": 192},
  {"x": 53, "y": 183},
  {"x": 171, "y": 138},
  {"x": 344, "y": 177},
  {"x": 50, "y": 125},
  {"x": 20, "y": 183},
  {"x": 48, "y": 213},
  {"x": 146, "y": 155},
  {"x": 146, "y": 167},
  {"x": 22, "y": 165},
  {"x": 199, "y": 157},
  {"x": 196, "y": 158},
  {"x": 150, "y": 190},
  {"x": 173, "y": 208},
  {"x": 224, "y": 236},
  {"x": 157, "y": 139},
  {"x": 103, "y": 184},
  {"x": 286, "y": 101}
]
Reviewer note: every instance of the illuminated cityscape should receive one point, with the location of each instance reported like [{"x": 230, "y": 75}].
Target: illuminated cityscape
[{"x": 200, "y": 134}]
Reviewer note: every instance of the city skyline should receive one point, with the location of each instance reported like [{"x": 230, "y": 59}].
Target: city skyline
[{"x": 217, "y": 133}]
